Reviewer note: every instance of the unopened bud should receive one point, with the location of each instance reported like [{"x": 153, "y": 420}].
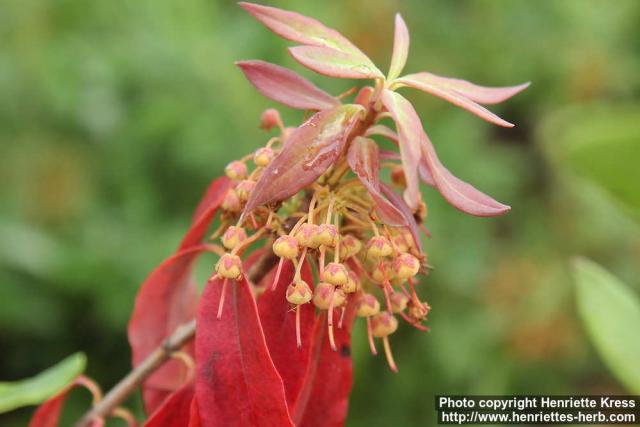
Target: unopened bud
[
  {"x": 398, "y": 302},
  {"x": 236, "y": 170},
  {"x": 378, "y": 247},
  {"x": 270, "y": 118},
  {"x": 327, "y": 235},
  {"x": 349, "y": 246},
  {"x": 325, "y": 293},
  {"x": 233, "y": 236},
  {"x": 397, "y": 177},
  {"x": 263, "y": 156},
  {"x": 335, "y": 273},
  {"x": 405, "y": 266},
  {"x": 229, "y": 266},
  {"x": 307, "y": 235},
  {"x": 231, "y": 202},
  {"x": 286, "y": 247},
  {"x": 382, "y": 274},
  {"x": 367, "y": 305},
  {"x": 353, "y": 282},
  {"x": 383, "y": 324},
  {"x": 299, "y": 292},
  {"x": 244, "y": 189},
  {"x": 418, "y": 312}
]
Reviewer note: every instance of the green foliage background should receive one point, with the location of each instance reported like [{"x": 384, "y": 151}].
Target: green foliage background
[{"x": 115, "y": 115}]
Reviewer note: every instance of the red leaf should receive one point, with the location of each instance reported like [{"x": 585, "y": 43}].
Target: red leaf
[
  {"x": 175, "y": 411},
  {"x": 299, "y": 28},
  {"x": 421, "y": 81},
  {"x": 285, "y": 86},
  {"x": 307, "y": 153},
  {"x": 363, "y": 158},
  {"x": 410, "y": 221},
  {"x": 205, "y": 212},
  {"x": 461, "y": 195},
  {"x": 335, "y": 63},
  {"x": 48, "y": 414},
  {"x": 480, "y": 94},
  {"x": 236, "y": 383},
  {"x": 324, "y": 398},
  {"x": 278, "y": 321},
  {"x": 166, "y": 299},
  {"x": 410, "y": 130},
  {"x": 400, "y": 48},
  {"x": 194, "y": 414}
]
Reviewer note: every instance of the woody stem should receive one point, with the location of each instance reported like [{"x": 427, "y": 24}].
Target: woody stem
[{"x": 181, "y": 336}]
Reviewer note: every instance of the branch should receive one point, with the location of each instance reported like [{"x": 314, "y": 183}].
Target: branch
[{"x": 182, "y": 335}]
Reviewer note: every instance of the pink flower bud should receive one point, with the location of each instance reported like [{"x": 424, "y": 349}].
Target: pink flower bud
[
  {"x": 336, "y": 274},
  {"x": 229, "y": 266},
  {"x": 299, "y": 292},
  {"x": 244, "y": 189},
  {"x": 233, "y": 236},
  {"x": 349, "y": 246},
  {"x": 398, "y": 302},
  {"x": 367, "y": 305},
  {"x": 405, "y": 266},
  {"x": 353, "y": 283},
  {"x": 307, "y": 235},
  {"x": 383, "y": 324},
  {"x": 378, "y": 247},
  {"x": 325, "y": 293},
  {"x": 236, "y": 170},
  {"x": 262, "y": 157},
  {"x": 270, "y": 118},
  {"x": 286, "y": 247},
  {"x": 231, "y": 202},
  {"x": 327, "y": 235}
]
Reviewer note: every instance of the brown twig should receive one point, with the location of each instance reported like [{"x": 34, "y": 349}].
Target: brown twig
[{"x": 182, "y": 335}]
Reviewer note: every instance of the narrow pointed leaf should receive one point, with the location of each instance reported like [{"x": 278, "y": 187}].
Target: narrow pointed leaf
[
  {"x": 363, "y": 158},
  {"x": 409, "y": 219},
  {"x": 236, "y": 381},
  {"x": 299, "y": 28},
  {"x": 48, "y": 414},
  {"x": 400, "y": 48},
  {"x": 410, "y": 132},
  {"x": 285, "y": 86},
  {"x": 307, "y": 154},
  {"x": 420, "y": 82},
  {"x": 205, "y": 212},
  {"x": 481, "y": 94},
  {"x": 610, "y": 312},
  {"x": 335, "y": 63},
  {"x": 383, "y": 131},
  {"x": 425, "y": 174},
  {"x": 175, "y": 411},
  {"x": 324, "y": 398},
  {"x": 278, "y": 319},
  {"x": 194, "y": 414},
  {"x": 461, "y": 195},
  {"x": 37, "y": 389},
  {"x": 166, "y": 299}
]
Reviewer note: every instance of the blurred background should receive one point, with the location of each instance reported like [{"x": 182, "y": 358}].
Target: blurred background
[{"x": 115, "y": 115}]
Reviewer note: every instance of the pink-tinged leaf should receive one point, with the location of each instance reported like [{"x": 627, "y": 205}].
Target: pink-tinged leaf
[
  {"x": 383, "y": 131},
  {"x": 364, "y": 96},
  {"x": 175, "y": 411},
  {"x": 410, "y": 132},
  {"x": 409, "y": 219},
  {"x": 285, "y": 86},
  {"x": 400, "y": 48},
  {"x": 461, "y": 195},
  {"x": 480, "y": 94},
  {"x": 278, "y": 319},
  {"x": 205, "y": 212},
  {"x": 236, "y": 381},
  {"x": 425, "y": 174},
  {"x": 307, "y": 153},
  {"x": 363, "y": 158},
  {"x": 335, "y": 63},
  {"x": 389, "y": 155},
  {"x": 48, "y": 414},
  {"x": 421, "y": 82},
  {"x": 324, "y": 398},
  {"x": 166, "y": 299},
  {"x": 299, "y": 28}
]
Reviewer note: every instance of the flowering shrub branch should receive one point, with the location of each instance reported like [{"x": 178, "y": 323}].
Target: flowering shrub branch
[{"x": 310, "y": 239}]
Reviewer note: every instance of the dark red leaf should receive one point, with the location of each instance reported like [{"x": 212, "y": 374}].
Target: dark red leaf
[
  {"x": 278, "y": 321},
  {"x": 285, "y": 86},
  {"x": 236, "y": 381},
  {"x": 307, "y": 153},
  {"x": 194, "y": 414},
  {"x": 48, "y": 414},
  {"x": 205, "y": 212},
  {"x": 175, "y": 411},
  {"x": 166, "y": 299},
  {"x": 363, "y": 158},
  {"x": 324, "y": 398}
]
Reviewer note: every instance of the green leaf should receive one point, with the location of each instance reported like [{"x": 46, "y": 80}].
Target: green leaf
[
  {"x": 35, "y": 390},
  {"x": 610, "y": 312}
]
